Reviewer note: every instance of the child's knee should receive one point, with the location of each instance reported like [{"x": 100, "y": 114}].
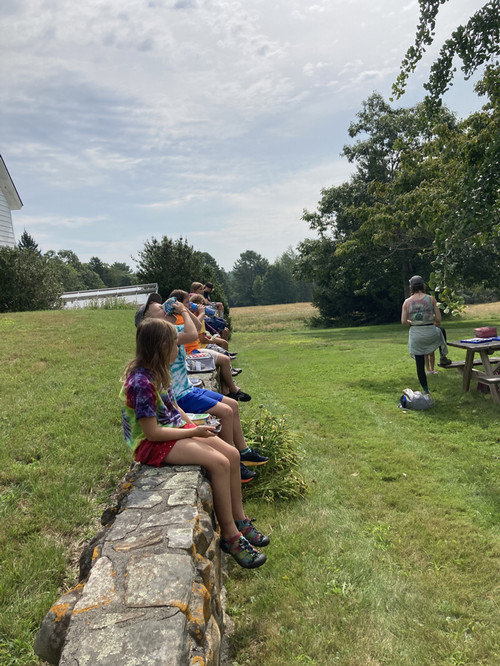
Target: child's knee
[
  {"x": 233, "y": 455},
  {"x": 226, "y": 411}
]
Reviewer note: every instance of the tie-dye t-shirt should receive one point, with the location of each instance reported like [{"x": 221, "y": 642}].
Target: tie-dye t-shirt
[
  {"x": 140, "y": 399},
  {"x": 180, "y": 381}
]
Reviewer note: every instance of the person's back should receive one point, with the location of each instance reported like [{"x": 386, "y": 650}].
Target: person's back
[{"x": 420, "y": 309}]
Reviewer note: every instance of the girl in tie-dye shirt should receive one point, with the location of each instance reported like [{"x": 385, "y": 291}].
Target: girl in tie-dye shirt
[{"x": 158, "y": 431}]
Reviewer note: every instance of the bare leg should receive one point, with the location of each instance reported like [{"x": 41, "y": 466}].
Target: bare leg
[
  {"x": 222, "y": 462},
  {"x": 238, "y": 437},
  {"x": 224, "y": 412},
  {"x": 227, "y": 381},
  {"x": 228, "y": 412}
]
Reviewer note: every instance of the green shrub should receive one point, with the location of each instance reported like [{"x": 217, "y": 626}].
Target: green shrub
[{"x": 279, "y": 479}]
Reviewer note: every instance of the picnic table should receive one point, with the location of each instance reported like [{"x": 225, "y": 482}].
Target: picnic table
[{"x": 489, "y": 364}]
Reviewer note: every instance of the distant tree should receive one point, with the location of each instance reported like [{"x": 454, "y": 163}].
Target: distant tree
[
  {"x": 27, "y": 242},
  {"x": 476, "y": 43},
  {"x": 72, "y": 274},
  {"x": 116, "y": 275},
  {"x": 120, "y": 275},
  {"x": 279, "y": 284},
  {"x": 101, "y": 269},
  {"x": 246, "y": 269},
  {"x": 27, "y": 281},
  {"x": 173, "y": 264}
]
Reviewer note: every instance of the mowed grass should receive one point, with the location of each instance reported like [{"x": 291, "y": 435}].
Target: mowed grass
[
  {"x": 61, "y": 455},
  {"x": 392, "y": 558}
]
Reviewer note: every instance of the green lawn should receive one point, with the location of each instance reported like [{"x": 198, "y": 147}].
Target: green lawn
[{"x": 393, "y": 558}]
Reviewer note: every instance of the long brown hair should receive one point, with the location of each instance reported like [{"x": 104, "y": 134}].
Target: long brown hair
[{"x": 154, "y": 341}]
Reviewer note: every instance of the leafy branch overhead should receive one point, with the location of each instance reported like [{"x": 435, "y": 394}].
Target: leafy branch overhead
[{"x": 476, "y": 43}]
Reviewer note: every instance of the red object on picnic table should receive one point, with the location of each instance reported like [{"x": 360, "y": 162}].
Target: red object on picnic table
[{"x": 485, "y": 332}]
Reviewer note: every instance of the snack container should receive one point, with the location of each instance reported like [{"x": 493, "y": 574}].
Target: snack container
[
  {"x": 485, "y": 332},
  {"x": 198, "y": 419}
]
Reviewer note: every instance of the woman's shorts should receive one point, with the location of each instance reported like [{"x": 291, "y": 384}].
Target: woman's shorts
[
  {"x": 198, "y": 400},
  {"x": 155, "y": 453}
]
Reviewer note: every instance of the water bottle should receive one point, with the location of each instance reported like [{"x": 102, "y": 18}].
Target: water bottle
[
  {"x": 168, "y": 305},
  {"x": 208, "y": 311}
]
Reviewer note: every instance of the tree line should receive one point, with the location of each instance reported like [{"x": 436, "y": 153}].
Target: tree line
[{"x": 30, "y": 280}]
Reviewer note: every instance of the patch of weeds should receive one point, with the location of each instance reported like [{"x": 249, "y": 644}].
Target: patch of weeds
[
  {"x": 381, "y": 534},
  {"x": 280, "y": 478},
  {"x": 109, "y": 303}
]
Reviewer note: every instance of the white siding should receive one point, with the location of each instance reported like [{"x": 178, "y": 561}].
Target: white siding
[{"x": 6, "y": 230}]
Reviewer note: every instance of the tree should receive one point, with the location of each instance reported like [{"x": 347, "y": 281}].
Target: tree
[
  {"x": 72, "y": 274},
  {"x": 116, "y": 275},
  {"x": 173, "y": 264},
  {"x": 371, "y": 237},
  {"x": 476, "y": 43},
  {"x": 27, "y": 281},
  {"x": 279, "y": 284},
  {"x": 27, "y": 242},
  {"x": 246, "y": 269},
  {"x": 424, "y": 200}
]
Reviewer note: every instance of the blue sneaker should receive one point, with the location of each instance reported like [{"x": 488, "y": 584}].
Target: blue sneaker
[
  {"x": 253, "y": 457},
  {"x": 246, "y": 474}
]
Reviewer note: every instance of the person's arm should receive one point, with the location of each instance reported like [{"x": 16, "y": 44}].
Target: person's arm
[
  {"x": 201, "y": 315},
  {"x": 404, "y": 316},
  {"x": 437, "y": 312},
  {"x": 190, "y": 332},
  {"x": 157, "y": 433},
  {"x": 185, "y": 417},
  {"x": 204, "y": 338}
]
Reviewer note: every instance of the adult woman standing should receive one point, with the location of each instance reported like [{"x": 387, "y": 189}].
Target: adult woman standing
[{"x": 421, "y": 313}]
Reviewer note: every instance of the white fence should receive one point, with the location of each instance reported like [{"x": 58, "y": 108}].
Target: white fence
[{"x": 136, "y": 293}]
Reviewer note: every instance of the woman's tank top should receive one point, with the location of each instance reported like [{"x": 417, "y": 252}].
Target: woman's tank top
[{"x": 420, "y": 312}]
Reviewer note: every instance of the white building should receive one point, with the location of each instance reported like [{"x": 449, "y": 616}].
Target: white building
[{"x": 9, "y": 200}]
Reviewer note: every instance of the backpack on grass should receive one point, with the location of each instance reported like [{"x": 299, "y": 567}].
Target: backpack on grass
[{"x": 415, "y": 400}]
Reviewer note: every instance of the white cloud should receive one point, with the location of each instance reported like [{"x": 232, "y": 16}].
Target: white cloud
[{"x": 154, "y": 116}]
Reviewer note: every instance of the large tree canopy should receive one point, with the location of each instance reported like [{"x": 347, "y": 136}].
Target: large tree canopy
[
  {"x": 476, "y": 43},
  {"x": 424, "y": 199}
]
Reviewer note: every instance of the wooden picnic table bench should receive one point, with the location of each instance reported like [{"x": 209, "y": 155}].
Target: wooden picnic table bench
[{"x": 490, "y": 365}]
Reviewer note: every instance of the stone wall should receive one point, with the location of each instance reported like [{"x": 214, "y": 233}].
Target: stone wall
[{"x": 151, "y": 590}]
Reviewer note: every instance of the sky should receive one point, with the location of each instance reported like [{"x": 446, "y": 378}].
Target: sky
[{"x": 215, "y": 120}]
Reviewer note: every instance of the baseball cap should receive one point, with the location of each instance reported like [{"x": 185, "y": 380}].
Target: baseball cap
[
  {"x": 416, "y": 280},
  {"x": 141, "y": 310}
]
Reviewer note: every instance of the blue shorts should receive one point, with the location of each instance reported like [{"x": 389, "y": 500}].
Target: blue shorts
[{"x": 199, "y": 400}]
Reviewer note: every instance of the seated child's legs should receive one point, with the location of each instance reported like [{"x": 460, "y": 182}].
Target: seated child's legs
[{"x": 219, "y": 459}]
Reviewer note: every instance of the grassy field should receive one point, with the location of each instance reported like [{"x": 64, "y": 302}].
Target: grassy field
[{"x": 393, "y": 558}]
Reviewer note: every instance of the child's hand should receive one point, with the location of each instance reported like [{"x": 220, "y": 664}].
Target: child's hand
[
  {"x": 203, "y": 431},
  {"x": 178, "y": 307}
]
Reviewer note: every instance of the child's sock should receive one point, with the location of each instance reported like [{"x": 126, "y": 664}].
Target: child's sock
[{"x": 245, "y": 450}]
